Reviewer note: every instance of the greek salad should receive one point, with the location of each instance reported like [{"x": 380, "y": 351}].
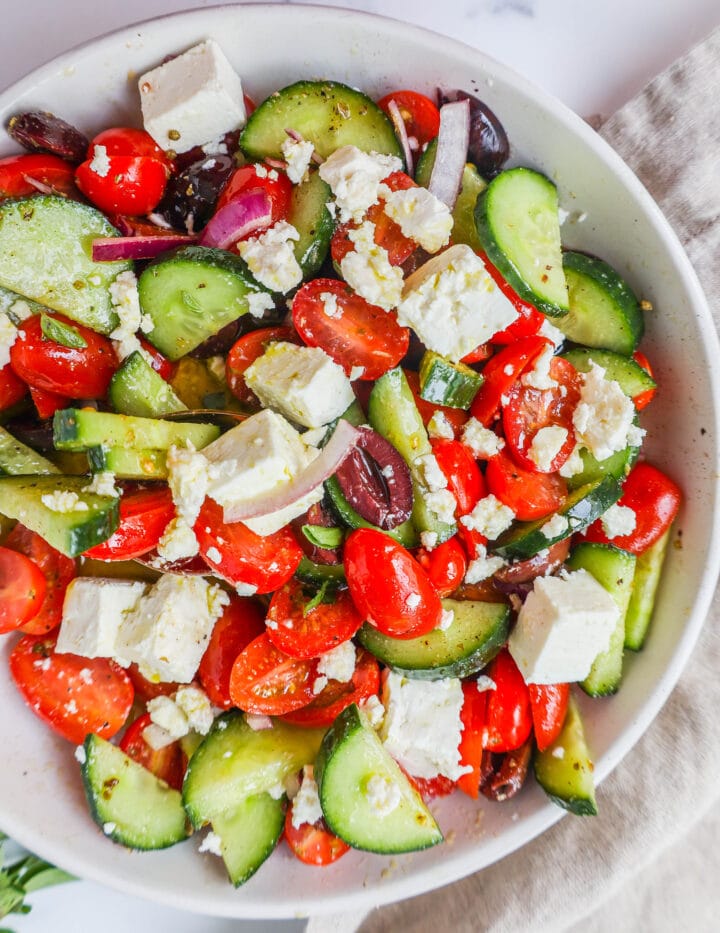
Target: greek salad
[{"x": 321, "y": 464}]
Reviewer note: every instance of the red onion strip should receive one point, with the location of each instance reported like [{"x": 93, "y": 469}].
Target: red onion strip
[
  {"x": 250, "y": 211},
  {"x": 451, "y": 155},
  {"x": 111, "y": 248},
  {"x": 343, "y": 440},
  {"x": 401, "y": 132}
]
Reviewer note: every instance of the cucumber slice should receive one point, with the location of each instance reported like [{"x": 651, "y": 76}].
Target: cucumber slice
[
  {"x": 517, "y": 222},
  {"x": 326, "y": 113},
  {"x": 604, "y": 311},
  {"x": 581, "y": 508},
  {"x": 425, "y": 163},
  {"x": 249, "y": 835},
  {"x": 318, "y": 574},
  {"x": 16, "y": 459},
  {"x": 45, "y": 249},
  {"x": 129, "y": 464},
  {"x": 81, "y": 428},
  {"x": 617, "y": 465},
  {"x": 404, "y": 533},
  {"x": 393, "y": 413},
  {"x": 7, "y": 303},
  {"x": 447, "y": 383},
  {"x": 648, "y": 569},
  {"x": 191, "y": 295},
  {"x": 478, "y": 631},
  {"x": 629, "y": 375},
  {"x": 613, "y": 569},
  {"x": 350, "y": 755},
  {"x": 568, "y": 780},
  {"x": 471, "y": 187},
  {"x": 69, "y": 532},
  {"x": 233, "y": 762},
  {"x": 127, "y": 801},
  {"x": 309, "y": 215},
  {"x": 136, "y": 389}
]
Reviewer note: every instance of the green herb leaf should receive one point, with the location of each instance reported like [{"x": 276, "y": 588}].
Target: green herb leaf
[
  {"x": 63, "y": 334},
  {"x": 22, "y": 878},
  {"x": 325, "y": 594},
  {"x": 323, "y": 537}
]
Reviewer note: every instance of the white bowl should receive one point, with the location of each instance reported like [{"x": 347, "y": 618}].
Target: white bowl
[{"x": 42, "y": 803}]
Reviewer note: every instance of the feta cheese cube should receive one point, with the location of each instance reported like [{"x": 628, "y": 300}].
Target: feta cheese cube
[
  {"x": 354, "y": 178},
  {"x": 618, "y": 520},
  {"x": 453, "y": 304},
  {"x": 489, "y": 517},
  {"x": 546, "y": 445},
  {"x": 167, "y": 631},
  {"x": 367, "y": 269},
  {"x": 604, "y": 416},
  {"x": 192, "y": 99},
  {"x": 306, "y": 804},
  {"x": 421, "y": 217},
  {"x": 302, "y": 383},
  {"x": 563, "y": 625},
  {"x": 93, "y": 611}
]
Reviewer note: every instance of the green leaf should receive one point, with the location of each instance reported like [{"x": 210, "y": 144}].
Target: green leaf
[
  {"x": 63, "y": 334},
  {"x": 22, "y": 878},
  {"x": 323, "y": 537},
  {"x": 324, "y": 595}
]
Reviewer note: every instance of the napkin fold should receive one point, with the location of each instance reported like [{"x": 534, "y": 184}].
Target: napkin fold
[{"x": 668, "y": 787}]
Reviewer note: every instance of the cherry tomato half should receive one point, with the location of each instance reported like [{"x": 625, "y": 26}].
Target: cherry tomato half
[
  {"x": 473, "y": 715},
  {"x": 313, "y": 843},
  {"x": 77, "y": 372},
  {"x": 465, "y": 481},
  {"x": 149, "y": 689},
  {"x": 549, "y": 703},
  {"x": 389, "y": 587},
  {"x": 12, "y": 388},
  {"x": 500, "y": 374},
  {"x": 643, "y": 399},
  {"x": 266, "y": 681},
  {"x": 242, "y": 621},
  {"x": 530, "y": 320},
  {"x": 47, "y": 403},
  {"x": 303, "y": 634},
  {"x": 22, "y": 590},
  {"x": 446, "y": 565},
  {"x": 358, "y": 334},
  {"x": 509, "y": 717},
  {"x": 420, "y": 115},
  {"x": 144, "y": 516},
  {"x": 72, "y": 694},
  {"x": 276, "y": 185},
  {"x": 57, "y": 569},
  {"x": 528, "y": 493},
  {"x": 165, "y": 763},
  {"x": 456, "y": 416},
  {"x": 47, "y": 169},
  {"x": 243, "y": 354},
  {"x": 336, "y": 696}
]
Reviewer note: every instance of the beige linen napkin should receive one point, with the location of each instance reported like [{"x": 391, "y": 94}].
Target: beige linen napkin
[{"x": 670, "y": 135}]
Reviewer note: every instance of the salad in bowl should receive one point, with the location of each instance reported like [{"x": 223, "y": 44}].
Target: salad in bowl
[{"x": 325, "y": 495}]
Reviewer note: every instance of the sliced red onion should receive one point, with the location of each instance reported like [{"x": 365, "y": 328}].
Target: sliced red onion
[
  {"x": 451, "y": 155},
  {"x": 111, "y": 248},
  {"x": 342, "y": 442},
  {"x": 250, "y": 211},
  {"x": 401, "y": 132},
  {"x": 41, "y": 186}
]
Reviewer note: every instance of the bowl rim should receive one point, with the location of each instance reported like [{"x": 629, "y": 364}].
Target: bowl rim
[{"x": 426, "y": 879}]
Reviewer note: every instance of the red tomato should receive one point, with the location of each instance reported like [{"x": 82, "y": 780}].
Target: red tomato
[
  {"x": 307, "y": 635},
  {"x": 245, "y": 351},
  {"x": 134, "y": 178},
  {"x": 528, "y": 493},
  {"x": 530, "y": 320},
  {"x": 445, "y": 565},
  {"x": 336, "y": 696},
  {"x": 47, "y": 169},
  {"x": 430, "y": 788},
  {"x": 76, "y": 372},
  {"x": 73, "y": 695},
  {"x": 500, "y": 374},
  {"x": 509, "y": 717},
  {"x": 530, "y": 410},
  {"x": 473, "y": 715},
  {"x": 654, "y": 498},
  {"x": 360, "y": 335},
  {"x": 242, "y": 621},
  {"x": 549, "y": 703},
  {"x": 478, "y": 355},
  {"x": 148, "y": 689},
  {"x": 47, "y": 403},
  {"x": 22, "y": 590},
  {"x": 264, "y": 561},
  {"x": 276, "y": 185},
  {"x": 313, "y": 843},
  {"x": 165, "y": 763},
  {"x": 12, "y": 388},
  {"x": 264, "y": 680},
  {"x": 456, "y": 416},
  {"x": 389, "y": 587},
  {"x": 388, "y": 234},
  {"x": 472, "y": 540},
  {"x": 643, "y": 399},
  {"x": 465, "y": 481},
  {"x": 57, "y": 569},
  {"x": 144, "y": 516},
  {"x": 419, "y": 113},
  {"x": 159, "y": 363}
]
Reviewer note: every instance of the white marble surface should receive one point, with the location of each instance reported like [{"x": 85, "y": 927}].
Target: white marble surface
[{"x": 594, "y": 56}]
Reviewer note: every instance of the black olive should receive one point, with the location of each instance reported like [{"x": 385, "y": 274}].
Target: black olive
[
  {"x": 40, "y": 131},
  {"x": 489, "y": 147},
  {"x": 190, "y": 196}
]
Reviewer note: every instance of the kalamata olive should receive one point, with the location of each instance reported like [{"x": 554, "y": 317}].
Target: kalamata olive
[
  {"x": 489, "y": 147},
  {"x": 520, "y": 589},
  {"x": 190, "y": 197},
  {"x": 538, "y": 565},
  {"x": 376, "y": 481},
  {"x": 502, "y": 775},
  {"x": 317, "y": 514},
  {"x": 36, "y": 434},
  {"x": 188, "y": 565},
  {"x": 40, "y": 131},
  {"x": 226, "y": 146},
  {"x": 221, "y": 343}
]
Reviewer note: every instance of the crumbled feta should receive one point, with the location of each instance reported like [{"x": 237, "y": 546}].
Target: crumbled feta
[
  {"x": 109, "y": 828},
  {"x": 100, "y": 163},
  {"x": 320, "y": 682},
  {"x": 63, "y": 500},
  {"x": 164, "y": 712},
  {"x": 481, "y": 566},
  {"x": 271, "y": 259},
  {"x": 126, "y": 303},
  {"x": 604, "y": 415},
  {"x": 188, "y": 478},
  {"x": 422, "y": 726},
  {"x": 484, "y": 683},
  {"x": 429, "y": 539},
  {"x": 257, "y": 722},
  {"x": 298, "y": 155},
  {"x": 80, "y": 754},
  {"x": 246, "y": 589},
  {"x": 546, "y": 445},
  {"x": 306, "y": 804},
  {"x": 339, "y": 663},
  {"x": 212, "y": 843},
  {"x": 383, "y": 794},
  {"x": 618, "y": 520},
  {"x": 564, "y": 623},
  {"x": 103, "y": 484},
  {"x": 8, "y": 336},
  {"x": 552, "y": 333},
  {"x": 574, "y": 463},
  {"x": 19, "y": 311},
  {"x": 357, "y": 372},
  {"x": 446, "y": 620},
  {"x": 413, "y": 600},
  {"x": 431, "y": 473},
  {"x": 192, "y": 99},
  {"x": 157, "y": 737},
  {"x": 354, "y": 177},
  {"x": 556, "y": 526},
  {"x": 439, "y": 426},
  {"x": 367, "y": 269},
  {"x": 489, "y": 517},
  {"x": 213, "y": 555},
  {"x": 539, "y": 376},
  {"x": 374, "y": 710},
  {"x": 453, "y": 304},
  {"x": 197, "y": 708},
  {"x": 481, "y": 441},
  {"x": 330, "y": 305},
  {"x": 178, "y": 541},
  {"x": 421, "y": 217},
  {"x": 259, "y": 303},
  {"x": 93, "y": 610},
  {"x": 443, "y": 503}
]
